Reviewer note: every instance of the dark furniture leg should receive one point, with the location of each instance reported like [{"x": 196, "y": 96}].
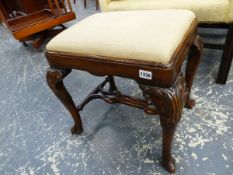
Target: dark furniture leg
[
  {"x": 226, "y": 58},
  {"x": 24, "y": 43},
  {"x": 97, "y": 4},
  {"x": 191, "y": 69},
  {"x": 55, "y": 81},
  {"x": 169, "y": 103},
  {"x": 85, "y": 4}
]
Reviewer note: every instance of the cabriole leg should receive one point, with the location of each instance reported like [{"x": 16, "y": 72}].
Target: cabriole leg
[
  {"x": 191, "y": 69},
  {"x": 169, "y": 103},
  {"x": 55, "y": 81}
]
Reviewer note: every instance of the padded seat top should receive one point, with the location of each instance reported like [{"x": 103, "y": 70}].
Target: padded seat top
[{"x": 137, "y": 35}]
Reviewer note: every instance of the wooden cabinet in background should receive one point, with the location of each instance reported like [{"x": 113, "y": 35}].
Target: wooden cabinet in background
[{"x": 25, "y": 18}]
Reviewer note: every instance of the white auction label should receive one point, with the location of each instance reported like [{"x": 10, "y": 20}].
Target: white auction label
[{"x": 145, "y": 74}]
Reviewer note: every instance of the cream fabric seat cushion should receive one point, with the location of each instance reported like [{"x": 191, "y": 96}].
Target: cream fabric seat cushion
[
  {"x": 205, "y": 10},
  {"x": 139, "y": 35}
]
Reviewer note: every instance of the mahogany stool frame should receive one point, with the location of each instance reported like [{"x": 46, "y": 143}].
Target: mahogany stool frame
[{"x": 165, "y": 94}]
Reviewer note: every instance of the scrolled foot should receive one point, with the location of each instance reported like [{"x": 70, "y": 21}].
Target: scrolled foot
[
  {"x": 169, "y": 165},
  {"x": 76, "y": 130},
  {"x": 190, "y": 103}
]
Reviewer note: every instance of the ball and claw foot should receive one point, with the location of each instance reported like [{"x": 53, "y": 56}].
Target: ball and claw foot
[
  {"x": 169, "y": 165},
  {"x": 76, "y": 130}
]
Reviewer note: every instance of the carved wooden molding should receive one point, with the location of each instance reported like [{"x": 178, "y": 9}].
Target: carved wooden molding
[{"x": 168, "y": 101}]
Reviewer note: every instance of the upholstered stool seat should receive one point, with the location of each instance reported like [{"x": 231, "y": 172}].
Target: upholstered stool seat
[
  {"x": 128, "y": 38},
  {"x": 146, "y": 46}
]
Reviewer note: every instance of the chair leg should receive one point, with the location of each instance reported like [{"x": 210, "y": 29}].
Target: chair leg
[
  {"x": 55, "y": 81},
  {"x": 97, "y": 4},
  {"x": 24, "y": 43},
  {"x": 85, "y": 4},
  {"x": 226, "y": 58},
  {"x": 191, "y": 69},
  {"x": 169, "y": 103}
]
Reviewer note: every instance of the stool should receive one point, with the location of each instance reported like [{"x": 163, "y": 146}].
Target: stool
[{"x": 146, "y": 46}]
